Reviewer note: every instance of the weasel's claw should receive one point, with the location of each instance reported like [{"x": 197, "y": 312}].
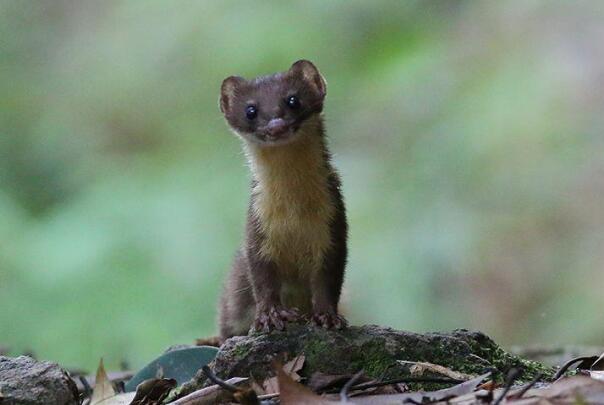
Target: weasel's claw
[
  {"x": 275, "y": 319},
  {"x": 329, "y": 320}
]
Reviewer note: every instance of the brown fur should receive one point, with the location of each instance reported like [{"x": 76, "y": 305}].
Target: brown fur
[{"x": 294, "y": 252}]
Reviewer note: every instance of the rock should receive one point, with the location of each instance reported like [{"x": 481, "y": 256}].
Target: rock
[
  {"x": 25, "y": 381},
  {"x": 371, "y": 348}
]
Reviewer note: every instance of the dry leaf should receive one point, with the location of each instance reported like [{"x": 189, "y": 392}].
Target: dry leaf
[
  {"x": 571, "y": 390},
  {"x": 153, "y": 391},
  {"x": 270, "y": 385},
  {"x": 103, "y": 389},
  {"x": 104, "y": 393},
  {"x": 256, "y": 387},
  {"x": 418, "y": 369},
  {"x": 291, "y": 368},
  {"x": 293, "y": 393},
  {"x": 422, "y": 397},
  {"x": 320, "y": 381},
  {"x": 208, "y": 396}
]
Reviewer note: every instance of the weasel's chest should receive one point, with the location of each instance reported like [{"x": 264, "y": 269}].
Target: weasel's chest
[{"x": 295, "y": 221}]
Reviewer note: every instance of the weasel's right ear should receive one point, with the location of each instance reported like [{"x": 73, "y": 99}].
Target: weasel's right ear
[
  {"x": 311, "y": 75},
  {"x": 228, "y": 91}
]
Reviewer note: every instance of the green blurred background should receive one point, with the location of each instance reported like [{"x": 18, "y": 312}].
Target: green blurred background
[{"x": 468, "y": 135}]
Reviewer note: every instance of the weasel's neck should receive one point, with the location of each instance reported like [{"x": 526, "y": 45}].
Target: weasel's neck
[
  {"x": 302, "y": 164},
  {"x": 292, "y": 200}
]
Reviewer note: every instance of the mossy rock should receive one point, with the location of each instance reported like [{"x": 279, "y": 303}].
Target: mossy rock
[{"x": 372, "y": 348}]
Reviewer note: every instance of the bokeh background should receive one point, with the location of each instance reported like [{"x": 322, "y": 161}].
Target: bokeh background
[{"x": 469, "y": 136}]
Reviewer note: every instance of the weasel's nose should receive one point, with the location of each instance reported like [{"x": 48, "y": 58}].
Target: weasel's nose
[{"x": 276, "y": 126}]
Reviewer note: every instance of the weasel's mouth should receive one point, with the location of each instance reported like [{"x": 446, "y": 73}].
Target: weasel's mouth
[{"x": 277, "y": 131}]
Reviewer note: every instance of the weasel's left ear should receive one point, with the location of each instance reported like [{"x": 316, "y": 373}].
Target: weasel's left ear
[
  {"x": 228, "y": 91},
  {"x": 311, "y": 75}
]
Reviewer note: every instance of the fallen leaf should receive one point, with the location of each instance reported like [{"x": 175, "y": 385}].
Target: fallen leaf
[
  {"x": 258, "y": 388},
  {"x": 115, "y": 377},
  {"x": 103, "y": 389},
  {"x": 153, "y": 391},
  {"x": 293, "y": 393},
  {"x": 419, "y": 369},
  {"x": 210, "y": 395},
  {"x": 291, "y": 368},
  {"x": 570, "y": 390},
  {"x": 270, "y": 385},
  {"x": 320, "y": 381},
  {"x": 424, "y": 397}
]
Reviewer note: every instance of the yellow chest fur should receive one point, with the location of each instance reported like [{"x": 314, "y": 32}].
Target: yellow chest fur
[{"x": 293, "y": 203}]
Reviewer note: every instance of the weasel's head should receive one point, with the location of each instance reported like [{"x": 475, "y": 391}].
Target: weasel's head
[{"x": 269, "y": 110}]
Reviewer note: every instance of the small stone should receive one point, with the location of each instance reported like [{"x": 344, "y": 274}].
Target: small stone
[{"x": 25, "y": 381}]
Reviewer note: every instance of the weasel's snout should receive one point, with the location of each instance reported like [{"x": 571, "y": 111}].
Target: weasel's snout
[{"x": 276, "y": 127}]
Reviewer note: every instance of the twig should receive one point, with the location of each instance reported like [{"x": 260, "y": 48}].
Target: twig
[
  {"x": 212, "y": 377},
  {"x": 528, "y": 386},
  {"x": 87, "y": 388},
  {"x": 268, "y": 396},
  {"x": 569, "y": 363},
  {"x": 207, "y": 394},
  {"x": 433, "y": 380},
  {"x": 513, "y": 374},
  {"x": 348, "y": 385}
]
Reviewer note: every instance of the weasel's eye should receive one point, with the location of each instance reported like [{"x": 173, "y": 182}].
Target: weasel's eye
[
  {"x": 251, "y": 112},
  {"x": 293, "y": 102}
]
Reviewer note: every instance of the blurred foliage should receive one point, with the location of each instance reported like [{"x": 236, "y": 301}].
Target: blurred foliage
[{"x": 468, "y": 135}]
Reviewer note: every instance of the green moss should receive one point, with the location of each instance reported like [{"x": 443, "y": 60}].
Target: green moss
[
  {"x": 503, "y": 362},
  {"x": 373, "y": 358},
  {"x": 315, "y": 350},
  {"x": 241, "y": 350},
  {"x": 372, "y": 349}
]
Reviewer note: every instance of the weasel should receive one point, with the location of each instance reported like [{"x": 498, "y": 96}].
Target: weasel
[{"x": 290, "y": 266}]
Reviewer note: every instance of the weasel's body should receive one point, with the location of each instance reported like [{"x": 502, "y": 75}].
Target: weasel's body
[{"x": 292, "y": 261}]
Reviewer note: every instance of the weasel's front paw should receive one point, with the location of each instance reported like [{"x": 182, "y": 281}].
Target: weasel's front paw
[
  {"x": 329, "y": 320},
  {"x": 275, "y": 318}
]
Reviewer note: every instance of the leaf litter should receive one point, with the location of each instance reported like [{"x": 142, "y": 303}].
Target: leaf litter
[{"x": 286, "y": 388}]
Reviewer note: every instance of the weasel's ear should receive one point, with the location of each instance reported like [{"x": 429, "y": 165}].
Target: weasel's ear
[
  {"x": 309, "y": 72},
  {"x": 228, "y": 91}
]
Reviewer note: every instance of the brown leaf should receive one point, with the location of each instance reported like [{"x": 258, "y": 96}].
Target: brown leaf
[
  {"x": 293, "y": 393},
  {"x": 571, "y": 390},
  {"x": 422, "y": 397},
  {"x": 103, "y": 389},
  {"x": 270, "y": 385},
  {"x": 153, "y": 391},
  {"x": 104, "y": 393},
  {"x": 208, "y": 396},
  {"x": 320, "y": 381},
  {"x": 291, "y": 368},
  {"x": 258, "y": 388}
]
